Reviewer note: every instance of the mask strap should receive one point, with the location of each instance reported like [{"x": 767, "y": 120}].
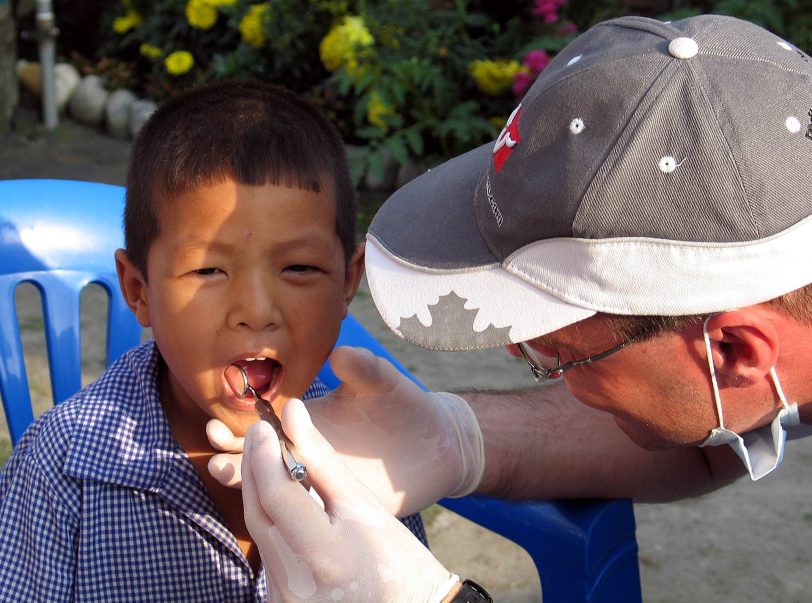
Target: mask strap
[
  {"x": 716, "y": 397},
  {"x": 778, "y": 389}
]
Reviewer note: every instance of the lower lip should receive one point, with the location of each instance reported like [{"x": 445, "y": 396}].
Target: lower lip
[{"x": 246, "y": 404}]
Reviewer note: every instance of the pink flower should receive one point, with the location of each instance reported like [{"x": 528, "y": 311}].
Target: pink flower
[
  {"x": 548, "y": 9},
  {"x": 521, "y": 82},
  {"x": 536, "y": 60}
]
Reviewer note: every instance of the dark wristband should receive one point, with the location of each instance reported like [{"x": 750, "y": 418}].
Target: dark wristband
[{"x": 471, "y": 592}]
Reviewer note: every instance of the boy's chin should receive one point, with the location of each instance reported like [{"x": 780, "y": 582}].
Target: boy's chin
[{"x": 239, "y": 417}]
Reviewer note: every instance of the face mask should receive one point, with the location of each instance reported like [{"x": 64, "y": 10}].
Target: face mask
[{"x": 762, "y": 449}]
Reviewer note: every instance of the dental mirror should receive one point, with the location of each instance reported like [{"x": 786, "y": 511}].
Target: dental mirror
[{"x": 237, "y": 379}]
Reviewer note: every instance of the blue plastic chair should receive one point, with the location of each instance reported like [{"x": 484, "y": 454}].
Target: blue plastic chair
[{"x": 60, "y": 236}]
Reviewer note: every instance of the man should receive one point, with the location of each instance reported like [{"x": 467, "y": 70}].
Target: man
[{"x": 641, "y": 229}]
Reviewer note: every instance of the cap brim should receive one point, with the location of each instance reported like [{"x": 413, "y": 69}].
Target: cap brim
[{"x": 436, "y": 282}]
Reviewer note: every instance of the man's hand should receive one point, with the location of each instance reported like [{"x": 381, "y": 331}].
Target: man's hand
[
  {"x": 408, "y": 446},
  {"x": 351, "y": 548}
]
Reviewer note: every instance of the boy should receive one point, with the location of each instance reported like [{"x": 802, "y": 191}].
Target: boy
[{"x": 240, "y": 234}]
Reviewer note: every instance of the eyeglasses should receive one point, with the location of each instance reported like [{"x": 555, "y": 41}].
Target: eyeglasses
[{"x": 537, "y": 361}]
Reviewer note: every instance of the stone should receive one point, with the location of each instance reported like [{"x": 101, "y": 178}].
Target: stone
[
  {"x": 117, "y": 112},
  {"x": 140, "y": 111},
  {"x": 30, "y": 76},
  {"x": 66, "y": 80},
  {"x": 87, "y": 103}
]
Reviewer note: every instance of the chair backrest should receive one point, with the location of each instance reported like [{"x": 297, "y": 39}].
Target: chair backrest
[{"x": 59, "y": 236}]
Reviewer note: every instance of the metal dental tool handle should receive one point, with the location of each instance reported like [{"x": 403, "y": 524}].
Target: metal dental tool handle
[{"x": 296, "y": 469}]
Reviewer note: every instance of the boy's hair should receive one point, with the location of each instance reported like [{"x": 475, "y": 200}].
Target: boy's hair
[{"x": 254, "y": 132}]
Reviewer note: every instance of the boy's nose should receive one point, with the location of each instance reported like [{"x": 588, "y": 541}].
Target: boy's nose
[{"x": 254, "y": 307}]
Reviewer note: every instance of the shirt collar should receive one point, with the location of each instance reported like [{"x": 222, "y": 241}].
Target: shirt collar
[{"x": 121, "y": 426}]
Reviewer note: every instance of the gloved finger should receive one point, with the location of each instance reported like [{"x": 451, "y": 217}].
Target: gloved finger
[
  {"x": 327, "y": 472},
  {"x": 261, "y": 528},
  {"x": 221, "y": 437},
  {"x": 226, "y": 468},
  {"x": 361, "y": 371},
  {"x": 271, "y": 497},
  {"x": 274, "y": 596}
]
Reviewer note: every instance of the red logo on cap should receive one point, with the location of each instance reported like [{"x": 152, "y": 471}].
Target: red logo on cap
[{"x": 508, "y": 139}]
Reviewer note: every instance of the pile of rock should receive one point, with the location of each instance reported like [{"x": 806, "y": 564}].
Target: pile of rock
[
  {"x": 121, "y": 114},
  {"x": 86, "y": 100}
]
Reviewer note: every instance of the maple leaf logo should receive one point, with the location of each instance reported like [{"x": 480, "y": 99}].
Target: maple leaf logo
[{"x": 452, "y": 327}]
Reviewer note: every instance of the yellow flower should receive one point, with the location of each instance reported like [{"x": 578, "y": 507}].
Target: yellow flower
[
  {"x": 219, "y": 3},
  {"x": 494, "y": 78},
  {"x": 131, "y": 19},
  {"x": 201, "y": 14},
  {"x": 179, "y": 62},
  {"x": 497, "y": 121},
  {"x": 343, "y": 44},
  {"x": 377, "y": 109},
  {"x": 149, "y": 51},
  {"x": 251, "y": 25}
]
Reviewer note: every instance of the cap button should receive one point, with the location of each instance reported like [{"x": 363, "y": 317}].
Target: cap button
[{"x": 683, "y": 48}]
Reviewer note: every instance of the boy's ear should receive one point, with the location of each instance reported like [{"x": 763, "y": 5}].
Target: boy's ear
[
  {"x": 744, "y": 345},
  {"x": 352, "y": 276},
  {"x": 133, "y": 287}
]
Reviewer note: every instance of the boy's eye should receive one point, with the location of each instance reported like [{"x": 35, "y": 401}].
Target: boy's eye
[
  {"x": 300, "y": 268},
  {"x": 207, "y": 271}
]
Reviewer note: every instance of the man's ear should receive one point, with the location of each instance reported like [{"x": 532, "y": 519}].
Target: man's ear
[
  {"x": 744, "y": 346},
  {"x": 352, "y": 276},
  {"x": 133, "y": 287}
]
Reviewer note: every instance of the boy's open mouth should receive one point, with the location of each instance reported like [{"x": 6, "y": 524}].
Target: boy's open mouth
[{"x": 251, "y": 377}]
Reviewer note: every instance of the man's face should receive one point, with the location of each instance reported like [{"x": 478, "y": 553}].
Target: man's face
[
  {"x": 657, "y": 390},
  {"x": 240, "y": 272}
]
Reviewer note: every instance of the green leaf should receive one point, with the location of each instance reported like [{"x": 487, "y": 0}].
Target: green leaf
[
  {"x": 370, "y": 132},
  {"x": 397, "y": 146},
  {"x": 377, "y": 164},
  {"x": 415, "y": 140}
]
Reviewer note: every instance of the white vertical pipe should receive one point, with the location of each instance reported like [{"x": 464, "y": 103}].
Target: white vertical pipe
[{"x": 46, "y": 34}]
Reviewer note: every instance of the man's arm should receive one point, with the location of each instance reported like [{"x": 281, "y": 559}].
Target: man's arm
[
  {"x": 543, "y": 443},
  {"x": 412, "y": 448}
]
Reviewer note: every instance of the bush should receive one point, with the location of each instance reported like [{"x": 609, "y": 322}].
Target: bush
[{"x": 409, "y": 80}]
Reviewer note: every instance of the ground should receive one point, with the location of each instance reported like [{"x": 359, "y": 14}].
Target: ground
[{"x": 746, "y": 543}]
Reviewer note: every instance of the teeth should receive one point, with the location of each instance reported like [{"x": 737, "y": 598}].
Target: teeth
[{"x": 257, "y": 358}]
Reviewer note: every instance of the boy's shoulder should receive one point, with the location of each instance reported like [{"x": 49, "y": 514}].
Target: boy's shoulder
[{"x": 107, "y": 423}]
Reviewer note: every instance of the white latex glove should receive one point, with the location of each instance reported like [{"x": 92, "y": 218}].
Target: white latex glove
[
  {"x": 225, "y": 467},
  {"x": 410, "y": 447},
  {"x": 351, "y": 549}
]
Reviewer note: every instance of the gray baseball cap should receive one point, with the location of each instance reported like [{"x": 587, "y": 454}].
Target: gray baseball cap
[{"x": 652, "y": 169}]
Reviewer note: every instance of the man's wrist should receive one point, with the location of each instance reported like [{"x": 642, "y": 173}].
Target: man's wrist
[
  {"x": 467, "y": 591},
  {"x": 449, "y": 598}
]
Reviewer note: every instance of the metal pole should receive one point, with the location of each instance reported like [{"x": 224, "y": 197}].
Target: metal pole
[{"x": 46, "y": 36}]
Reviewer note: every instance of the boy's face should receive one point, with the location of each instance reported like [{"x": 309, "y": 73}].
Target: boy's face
[{"x": 238, "y": 272}]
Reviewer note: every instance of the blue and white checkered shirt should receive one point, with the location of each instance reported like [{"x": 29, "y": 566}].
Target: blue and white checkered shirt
[{"x": 99, "y": 503}]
